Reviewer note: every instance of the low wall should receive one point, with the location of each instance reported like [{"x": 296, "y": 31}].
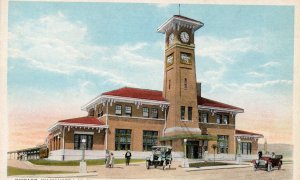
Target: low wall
[{"x": 70, "y": 154}]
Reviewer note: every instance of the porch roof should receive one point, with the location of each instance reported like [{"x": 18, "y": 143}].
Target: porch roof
[
  {"x": 188, "y": 136},
  {"x": 87, "y": 121},
  {"x": 241, "y": 133}
]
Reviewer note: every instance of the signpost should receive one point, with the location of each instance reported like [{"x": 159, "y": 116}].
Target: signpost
[{"x": 83, "y": 168}]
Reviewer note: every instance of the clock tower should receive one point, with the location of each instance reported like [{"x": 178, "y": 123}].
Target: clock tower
[{"x": 179, "y": 86}]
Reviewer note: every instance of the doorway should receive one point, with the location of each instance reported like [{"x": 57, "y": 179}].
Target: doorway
[{"x": 192, "y": 149}]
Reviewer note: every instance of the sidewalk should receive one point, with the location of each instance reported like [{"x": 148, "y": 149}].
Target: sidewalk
[
  {"x": 69, "y": 175},
  {"x": 233, "y": 166}
]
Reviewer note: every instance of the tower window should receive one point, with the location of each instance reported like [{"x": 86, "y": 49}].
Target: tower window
[
  {"x": 185, "y": 83},
  {"x": 169, "y": 84},
  {"x": 190, "y": 110},
  {"x": 182, "y": 112}
]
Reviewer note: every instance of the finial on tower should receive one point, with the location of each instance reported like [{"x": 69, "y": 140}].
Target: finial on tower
[{"x": 179, "y": 9}]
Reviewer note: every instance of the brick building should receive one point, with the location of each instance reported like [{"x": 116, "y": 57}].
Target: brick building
[{"x": 137, "y": 119}]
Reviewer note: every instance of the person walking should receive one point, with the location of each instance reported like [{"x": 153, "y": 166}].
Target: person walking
[
  {"x": 107, "y": 158},
  {"x": 111, "y": 160},
  {"x": 127, "y": 157}
]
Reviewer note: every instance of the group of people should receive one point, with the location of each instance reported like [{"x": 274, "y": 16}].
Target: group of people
[{"x": 109, "y": 159}]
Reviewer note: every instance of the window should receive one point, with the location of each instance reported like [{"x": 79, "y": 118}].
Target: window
[
  {"x": 204, "y": 117},
  {"x": 182, "y": 111},
  {"x": 100, "y": 113},
  {"x": 154, "y": 113},
  {"x": 246, "y": 147},
  {"x": 225, "y": 119},
  {"x": 122, "y": 139},
  {"x": 169, "y": 84},
  {"x": 118, "y": 110},
  {"x": 190, "y": 111},
  {"x": 145, "y": 112},
  {"x": 222, "y": 144},
  {"x": 218, "y": 119},
  {"x": 185, "y": 83},
  {"x": 149, "y": 139},
  {"x": 78, "y": 141},
  {"x": 128, "y": 110}
]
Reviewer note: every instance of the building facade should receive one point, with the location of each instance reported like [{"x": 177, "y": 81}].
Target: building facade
[{"x": 136, "y": 119}]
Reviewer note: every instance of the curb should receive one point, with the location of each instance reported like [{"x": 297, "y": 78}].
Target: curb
[
  {"x": 68, "y": 175},
  {"x": 217, "y": 167}
]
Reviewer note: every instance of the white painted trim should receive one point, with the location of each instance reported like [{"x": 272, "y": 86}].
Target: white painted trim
[
  {"x": 218, "y": 109},
  {"x": 248, "y": 136},
  {"x": 57, "y": 134},
  {"x": 194, "y": 24},
  {"x": 135, "y": 117},
  {"x": 217, "y": 124},
  {"x": 103, "y": 98},
  {"x": 83, "y": 132},
  {"x": 183, "y": 129},
  {"x": 185, "y": 120},
  {"x": 77, "y": 125}
]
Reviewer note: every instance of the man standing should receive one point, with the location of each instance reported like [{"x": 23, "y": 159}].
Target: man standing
[{"x": 127, "y": 157}]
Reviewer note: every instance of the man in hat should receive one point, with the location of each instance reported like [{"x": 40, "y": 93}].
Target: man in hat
[{"x": 127, "y": 157}]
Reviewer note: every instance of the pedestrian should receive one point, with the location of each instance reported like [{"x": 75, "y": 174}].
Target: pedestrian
[
  {"x": 111, "y": 160},
  {"x": 127, "y": 157},
  {"x": 107, "y": 158}
]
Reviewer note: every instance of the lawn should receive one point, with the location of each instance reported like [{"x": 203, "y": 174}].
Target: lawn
[
  {"x": 203, "y": 164},
  {"x": 76, "y": 163},
  {"x": 12, "y": 171}
]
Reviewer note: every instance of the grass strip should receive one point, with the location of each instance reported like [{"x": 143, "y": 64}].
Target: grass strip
[
  {"x": 13, "y": 171},
  {"x": 204, "y": 164},
  {"x": 76, "y": 163}
]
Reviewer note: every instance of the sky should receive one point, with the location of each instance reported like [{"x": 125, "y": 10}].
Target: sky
[{"x": 61, "y": 55}]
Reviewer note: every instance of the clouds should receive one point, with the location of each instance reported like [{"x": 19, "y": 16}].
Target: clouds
[
  {"x": 56, "y": 44},
  {"x": 270, "y": 64},
  {"x": 223, "y": 51}
]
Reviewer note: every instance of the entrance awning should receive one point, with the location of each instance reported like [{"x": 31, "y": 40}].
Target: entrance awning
[{"x": 188, "y": 136}]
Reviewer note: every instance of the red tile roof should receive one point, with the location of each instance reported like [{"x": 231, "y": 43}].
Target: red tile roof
[
  {"x": 157, "y": 95},
  {"x": 208, "y": 102},
  {"x": 137, "y": 93},
  {"x": 83, "y": 120},
  {"x": 246, "y": 132}
]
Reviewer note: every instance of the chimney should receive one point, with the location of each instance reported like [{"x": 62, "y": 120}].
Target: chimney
[{"x": 199, "y": 89}]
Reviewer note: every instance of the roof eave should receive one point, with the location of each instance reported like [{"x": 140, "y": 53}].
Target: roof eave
[{"x": 221, "y": 109}]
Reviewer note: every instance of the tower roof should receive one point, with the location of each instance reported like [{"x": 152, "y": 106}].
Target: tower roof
[{"x": 178, "y": 21}]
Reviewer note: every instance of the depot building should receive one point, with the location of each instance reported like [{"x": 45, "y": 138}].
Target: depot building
[{"x": 136, "y": 119}]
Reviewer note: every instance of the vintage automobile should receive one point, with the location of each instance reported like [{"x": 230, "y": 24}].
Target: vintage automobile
[
  {"x": 161, "y": 156},
  {"x": 267, "y": 162}
]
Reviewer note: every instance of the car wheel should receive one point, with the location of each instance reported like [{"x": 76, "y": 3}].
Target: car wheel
[
  {"x": 147, "y": 165},
  {"x": 279, "y": 165},
  {"x": 254, "y": 167},
  {"x": 269, "y": 167},
  {"x": 164, "y": 165}
]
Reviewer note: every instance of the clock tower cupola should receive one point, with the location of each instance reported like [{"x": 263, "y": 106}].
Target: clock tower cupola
[{"x": 179, "y": 86}]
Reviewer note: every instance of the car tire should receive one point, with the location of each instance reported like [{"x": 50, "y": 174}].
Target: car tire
[
  {"x": 254, "y": 167},
  {"x": 279, "y": 165},
  {"x": 164, "y": 165},
  {"x": 269, "y": 167},
  {"x": 147, "y": 165}
]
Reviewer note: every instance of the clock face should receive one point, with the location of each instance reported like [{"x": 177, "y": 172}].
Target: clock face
[
  {"x": 184, "y": 37},
  {"x": 171, "y": 38}
]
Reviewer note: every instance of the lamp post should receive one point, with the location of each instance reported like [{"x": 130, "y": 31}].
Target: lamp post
[
  {"x": 83, "y": 168},
  {"x": 83, "y": 148},
  {"x": 185, "y": 160},
  {"x": 238, "y": 151}
]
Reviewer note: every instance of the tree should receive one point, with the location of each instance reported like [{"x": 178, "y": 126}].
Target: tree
[{"x": 214, "y": 146}]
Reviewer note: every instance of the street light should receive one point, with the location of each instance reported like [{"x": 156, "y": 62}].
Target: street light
[
  {"x": 83, "y": 168},
  {"x": 83, "y": 148}
]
